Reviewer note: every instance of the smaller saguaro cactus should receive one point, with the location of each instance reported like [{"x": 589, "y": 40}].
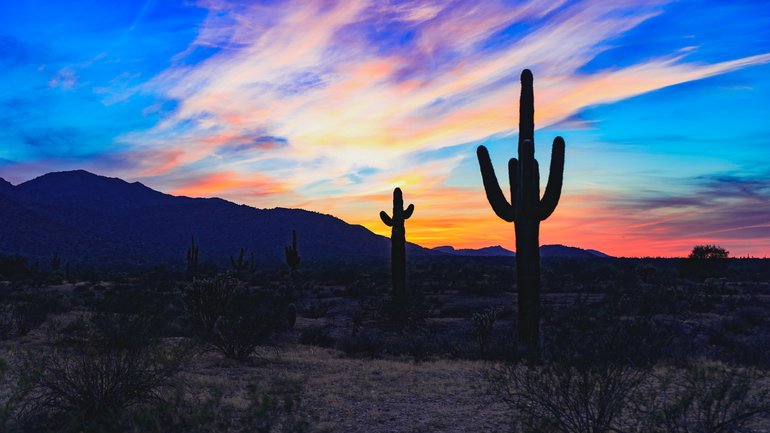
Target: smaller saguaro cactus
[
  {"x": 292, "y": 254},
  {"x": 242, "y": 264},
  {"x": 55, "y": 262},
  {"x": 192, "y": 258},
  {"x": 398, "y": 245}
]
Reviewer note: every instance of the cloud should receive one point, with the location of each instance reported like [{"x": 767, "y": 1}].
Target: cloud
[
  {"x": 296, "y": 70},
  {"x": 329, "y": 88},
  {"x": 66, "y": 79},
  {"x": 728, "y": 209},
  {"x": 251, "y": 188}
]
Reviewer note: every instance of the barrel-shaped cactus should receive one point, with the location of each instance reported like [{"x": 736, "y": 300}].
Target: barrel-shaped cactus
[
  {"x": 398, "y": 246},
  {"x": 526, "y": 209}
]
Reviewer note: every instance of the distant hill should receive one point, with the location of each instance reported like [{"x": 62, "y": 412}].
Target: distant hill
[
  {"x": 546, "y": 251},
  {"x": 495, "y": 251},
  {"x": 92, "y": 219},
  {"x": 557, "y": 250}
]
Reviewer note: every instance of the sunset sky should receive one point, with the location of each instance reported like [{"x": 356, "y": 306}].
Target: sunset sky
[{"x": 327, "y": 106}]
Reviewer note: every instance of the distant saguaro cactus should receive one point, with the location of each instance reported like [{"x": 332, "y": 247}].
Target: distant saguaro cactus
[
  {"x": 292, "y": 255},
  {"x": 526, "y": 209},
  {"x": 242, "y": 264},
  {"x": 55, "y": 262},
  {"x": 192, "y": 258},
  {"x": 398, "y": 245}
]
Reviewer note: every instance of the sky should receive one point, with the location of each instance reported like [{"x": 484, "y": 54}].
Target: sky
[{"x": 328, "y": 106}]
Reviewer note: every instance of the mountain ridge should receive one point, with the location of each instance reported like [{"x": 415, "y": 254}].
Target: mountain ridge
[
  {"x": 92, "y": 219},
  {"x": 100, "y": 220},
  {"x": 546, "y": 251}
]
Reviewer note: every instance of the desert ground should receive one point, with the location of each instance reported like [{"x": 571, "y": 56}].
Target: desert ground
[{"x": 130, "y": 351}]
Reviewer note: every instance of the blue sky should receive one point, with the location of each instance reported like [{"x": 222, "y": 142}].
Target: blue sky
[{"x": 330, "y": 105}]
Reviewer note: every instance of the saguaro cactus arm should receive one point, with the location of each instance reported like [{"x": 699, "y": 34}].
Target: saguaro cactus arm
[
  {"x": 495, "y": 196},
  {"x": 408, "y": 212},
  {"x": 555, "y": 180},
  {"x": 386, "y": 219}
]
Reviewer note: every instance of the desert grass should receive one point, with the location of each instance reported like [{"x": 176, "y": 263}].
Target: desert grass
[{"x": 364, "y": 395}]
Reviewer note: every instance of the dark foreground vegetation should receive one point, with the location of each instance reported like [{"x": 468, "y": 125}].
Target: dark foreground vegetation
[{"x": 627, "y": 345}]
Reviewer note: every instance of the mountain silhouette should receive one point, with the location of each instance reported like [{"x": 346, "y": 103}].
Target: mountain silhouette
[
  {"x": 546, "y": 251},
  {"x": 109, "y": 222},
  {"x": 495, "y": 251},
  {"x": 571, "y": 252}
]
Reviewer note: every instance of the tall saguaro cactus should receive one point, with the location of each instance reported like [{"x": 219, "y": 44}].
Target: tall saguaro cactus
[
  {"x": 526, "y": 209},
  {"x": 398, "y": 245}
]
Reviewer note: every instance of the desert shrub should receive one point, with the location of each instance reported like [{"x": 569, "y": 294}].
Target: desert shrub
[
  {"x": 93, "y": 373},
  {"x": 275, "y": 408},
  {"x": 481, "y": 326},
  {"x": 363, "y": 344},
  {"x": 705, "y": 261},
  {"x": 420, "y": 345},
  {"x": 233, "y": 319},
  {"x": 559, "y": 398},
  {"x": 317, "y": 310},
  {"x": 18, "y": 319},
  {"x": 13, "y": 267},
  {"x": 12, "y": 394},
  {"x": 7, "y": 321},
  {"x": 609, "y": 331},
  {"x": 317, "y": 336},
  {"x": 707, "y": 397},
  {"x": 206, "y": 299}
]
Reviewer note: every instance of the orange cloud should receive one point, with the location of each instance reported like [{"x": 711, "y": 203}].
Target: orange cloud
[
  {"x": 230, "y": 184},
  {"x": 304, "y": 72}
]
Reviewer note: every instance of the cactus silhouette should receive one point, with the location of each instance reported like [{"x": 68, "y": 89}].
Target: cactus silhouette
[
  {"x": 526, "y": 209},
  {"x": 292, "y": 255},
  {"x": 192, "y": 258},
  {"x": 55, "y": 262},
  {"x": 398, "y": 245},
  {"x": 243, "y": 265}
]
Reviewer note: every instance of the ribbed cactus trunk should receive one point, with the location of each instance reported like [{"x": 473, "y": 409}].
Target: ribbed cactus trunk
[
  {"x": 526, "y": 209},
  {"x": 398, "y": 246}
]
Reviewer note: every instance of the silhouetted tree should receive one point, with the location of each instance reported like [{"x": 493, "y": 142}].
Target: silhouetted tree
[
  {"x": 707, "y": 252},
  {"x": 526, "y": 209},
  {"x": 398, "y": 246},
  {"x": 705, "y": 261},
  {"x": 292, "y": 254}
]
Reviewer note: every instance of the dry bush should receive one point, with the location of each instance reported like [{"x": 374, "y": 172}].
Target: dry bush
[
  {"x": 233, "y": 319},
  {"x": 94, "y": 372},
  {"x": 481, "y": 326},
  {"x": 275, "y": 408},
  {"x": 707, "y": 397},
  {"x": 557, "y": 398}
]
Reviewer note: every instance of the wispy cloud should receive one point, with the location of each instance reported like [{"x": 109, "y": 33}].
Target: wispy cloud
[
  {"x": 330, "y": 104},
  {"x": 728, "y": 209},
  {"x": 304, "y": 71}
]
